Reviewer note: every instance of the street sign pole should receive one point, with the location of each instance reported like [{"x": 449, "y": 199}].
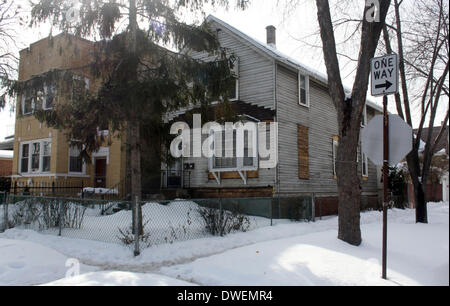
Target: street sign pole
[{"x": 385, "y": 180}]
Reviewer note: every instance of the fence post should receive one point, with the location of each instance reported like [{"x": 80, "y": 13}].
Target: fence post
[
  {"x": 15, "y": 187},
  {"x": 82, "y": 189},
  {"x": 5, "y": 211},
  {"x": 60, "y": 217},
  {"x": 313, "y": 207},
  {"x": 136, "y": 227}
]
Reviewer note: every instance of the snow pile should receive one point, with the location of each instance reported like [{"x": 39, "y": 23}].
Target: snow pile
[
  {"x": 177, "y": 221},
  {"x": 100, "y": 190}
]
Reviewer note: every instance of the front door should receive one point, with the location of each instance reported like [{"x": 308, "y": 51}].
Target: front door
[{"x": 100, "y": 173}]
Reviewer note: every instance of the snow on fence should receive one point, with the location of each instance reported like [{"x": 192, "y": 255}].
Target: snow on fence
[{"x": 161, "y": 222}]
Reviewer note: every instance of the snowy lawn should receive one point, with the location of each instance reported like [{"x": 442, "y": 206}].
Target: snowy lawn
[
  {"x": 285, "y": 254},
  {"x": 118, "y": 278},
  {"x": 28, "y": 263},
  {"x": 418, "y": 254}
]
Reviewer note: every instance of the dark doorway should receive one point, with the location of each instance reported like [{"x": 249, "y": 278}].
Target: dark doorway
[{"x": 100, "y": 173}]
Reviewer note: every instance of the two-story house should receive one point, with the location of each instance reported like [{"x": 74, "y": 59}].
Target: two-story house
[
  {"x": 44, "y": 156},
  {"x": 272, "y": 87}
]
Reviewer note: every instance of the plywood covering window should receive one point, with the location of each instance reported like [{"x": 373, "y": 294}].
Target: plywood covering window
[{"x": 303, "y": 152}]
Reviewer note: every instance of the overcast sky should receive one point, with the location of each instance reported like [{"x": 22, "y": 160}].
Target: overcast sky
[{"x": 297, "y": 36}]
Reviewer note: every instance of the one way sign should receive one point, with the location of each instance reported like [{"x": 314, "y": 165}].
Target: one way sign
[{"x": 384, "y": 72}]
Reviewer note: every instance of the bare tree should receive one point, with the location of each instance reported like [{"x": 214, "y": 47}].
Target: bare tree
[
  {"x": 349, "y": 110},
  {"x": 423, "y": 47}
]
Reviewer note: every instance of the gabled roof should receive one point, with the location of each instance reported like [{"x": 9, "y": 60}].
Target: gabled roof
[{"x": 282, "y": 58}]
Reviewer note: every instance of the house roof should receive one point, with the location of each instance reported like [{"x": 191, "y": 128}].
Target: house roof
[
  {"x": 442, "y": 144},
  {"x": 283, "y": 58}
]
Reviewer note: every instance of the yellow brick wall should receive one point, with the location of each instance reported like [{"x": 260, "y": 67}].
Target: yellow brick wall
[{"x": 60, "y": 52}]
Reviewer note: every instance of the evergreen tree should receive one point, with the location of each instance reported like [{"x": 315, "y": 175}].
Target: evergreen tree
[{"x": 140, "y": 80}]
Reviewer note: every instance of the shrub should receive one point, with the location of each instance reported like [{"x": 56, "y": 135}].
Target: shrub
[{"x": 220, "y": 222}]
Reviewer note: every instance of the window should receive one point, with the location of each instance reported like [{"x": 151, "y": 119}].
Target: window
[
  {"x": 75, "y": 160},
  {"x": 233, "y": 95},
  {"x": 247, "y": 162},
  {"x": 24, "y": 158},
  {"x": 229, "y": 148},
  {"x": 365, "y": 165},
  {"x": 335, "y": 148},
  {"x": 27, "y": 105},
  {"x": 234, "y": 91},
  {"x": 46, "y": 156},
  {"x": 364, "y": 117},
  {"x": 303, "y": 93},
  {"x": 35, "y": 156},
  {"x": 49, "y": 97}
]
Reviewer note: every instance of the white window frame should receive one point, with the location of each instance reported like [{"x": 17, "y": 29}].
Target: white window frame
[
  {"x": 83, "y": 167},
  {"x": 41, "y": 156},
  {"x": 307, "y": 102},
  {"x": 24, "y": 97},
  {"x": 235, "y": 74},
  {"x": 335, "y": 145},
  {"x": 364, "y": 165},
  {"x": 364, "y": 117},
  {"x": 239, "y": 161}
]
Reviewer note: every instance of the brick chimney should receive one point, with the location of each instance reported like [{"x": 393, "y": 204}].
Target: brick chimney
[{"x": 271, "y": 36}]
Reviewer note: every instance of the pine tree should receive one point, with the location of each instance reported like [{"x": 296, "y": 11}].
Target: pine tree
[{"x": 140, "y": 80}]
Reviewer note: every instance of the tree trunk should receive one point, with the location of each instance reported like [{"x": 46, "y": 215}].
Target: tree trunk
[
  {"x": 135, "y": 164},
  {"x": 349, "y": 188},
  {"x": 419, "y": 188},
  {"x": 134, "y": 131},
  {"x": 421, "y": 205}
]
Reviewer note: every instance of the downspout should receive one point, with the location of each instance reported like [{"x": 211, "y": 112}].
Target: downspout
[{"x": 277, "y": 172}]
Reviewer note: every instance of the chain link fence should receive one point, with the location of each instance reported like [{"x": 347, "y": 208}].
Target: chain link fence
[{"x": 158, "y": 222}]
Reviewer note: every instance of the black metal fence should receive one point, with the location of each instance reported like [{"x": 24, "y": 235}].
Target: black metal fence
[{"x": 69, "y": 189}]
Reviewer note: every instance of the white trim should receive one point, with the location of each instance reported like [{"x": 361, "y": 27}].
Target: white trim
[
  {"x": 364, "y": 160},
  {"x": 239, "y": 161},
  {"x": 280, "y": 57},
  {"x": 335, "y": 144},
  {"x": 364, "y": 122},
  {"x": 41, "y": 156},
  {"x": 300, "y": 75},
  {"x": 102, "y": 152}
]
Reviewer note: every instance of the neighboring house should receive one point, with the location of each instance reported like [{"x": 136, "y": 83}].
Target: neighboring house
[
  {"x": 271, "y": 87},
  {"x": 44, "y": 156},
  {"x": 444, "y": 141},
  {"x": 6, "y": 161}
]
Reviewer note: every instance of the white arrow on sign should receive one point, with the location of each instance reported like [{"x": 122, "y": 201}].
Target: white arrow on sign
[
  {"x": 384, "y": 75},
  {"x": 400, "y": 140}
]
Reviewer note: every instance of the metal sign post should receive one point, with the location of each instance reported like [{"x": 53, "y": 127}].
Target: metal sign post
[
  {"x": 385, "y": 181},
  {"x": 384, "y": 79}
]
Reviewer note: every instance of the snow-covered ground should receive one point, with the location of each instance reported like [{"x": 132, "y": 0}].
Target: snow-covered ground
[
  {"x": 285, "y": 254},
  {"x": 177, "y": 221}
]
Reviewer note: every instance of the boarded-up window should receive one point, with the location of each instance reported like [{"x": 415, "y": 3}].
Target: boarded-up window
[{"x": 303, "y": 152}]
